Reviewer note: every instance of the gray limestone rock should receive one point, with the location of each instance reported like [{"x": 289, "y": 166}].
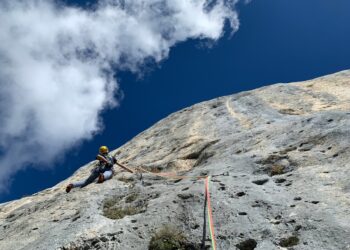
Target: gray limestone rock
[{"x": 278, "y": 158}]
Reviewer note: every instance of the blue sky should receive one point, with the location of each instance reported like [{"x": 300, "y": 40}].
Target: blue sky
[{"x": 278, "y": 41}]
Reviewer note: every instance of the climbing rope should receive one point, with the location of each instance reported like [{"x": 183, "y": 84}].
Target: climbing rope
[
  {"x": 206, "y": 196},
  {"x": 170, "y": 175},
  {"x": 210, "y": 213},
  {"x": 126, "y": 168}
]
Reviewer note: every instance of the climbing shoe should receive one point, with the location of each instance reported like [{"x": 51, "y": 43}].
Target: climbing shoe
[
  {"x": 101, "y": 178},
  {"x": 69, "y": 188}
]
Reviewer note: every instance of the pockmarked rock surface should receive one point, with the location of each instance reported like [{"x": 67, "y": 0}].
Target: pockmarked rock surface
[{"x": 278, "y": 158}]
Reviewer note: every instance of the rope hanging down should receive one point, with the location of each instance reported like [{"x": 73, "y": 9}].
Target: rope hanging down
[
  {"x": 210, "y": 213},
  {"x": 206, "y": 195}
]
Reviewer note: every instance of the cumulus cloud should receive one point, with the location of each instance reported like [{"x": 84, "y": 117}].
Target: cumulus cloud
[{"x": 58, "y": 65}]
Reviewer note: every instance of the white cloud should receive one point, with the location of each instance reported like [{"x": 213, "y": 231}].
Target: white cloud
[{"x": 56, "y": 64}]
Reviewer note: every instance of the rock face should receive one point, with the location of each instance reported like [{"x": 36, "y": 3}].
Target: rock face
[{"x": 278, "y": 158}]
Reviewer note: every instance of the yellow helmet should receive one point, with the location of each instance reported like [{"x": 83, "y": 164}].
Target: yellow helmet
[{"x": 103, "y": 150}]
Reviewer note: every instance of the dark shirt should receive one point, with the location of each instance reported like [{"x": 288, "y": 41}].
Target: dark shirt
[{"x": 105, "y": 165}]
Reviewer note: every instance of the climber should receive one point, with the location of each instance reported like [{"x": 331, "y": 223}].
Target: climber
[{"x": 103, "y": 171}]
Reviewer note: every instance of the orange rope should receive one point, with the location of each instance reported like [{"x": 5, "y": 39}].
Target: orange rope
[
  {"x": 171, "y": 175},
  {"x": 126, "y": 168},
  {"x": 210, "y": 214},
  {"x": 207, "y": 194}
]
